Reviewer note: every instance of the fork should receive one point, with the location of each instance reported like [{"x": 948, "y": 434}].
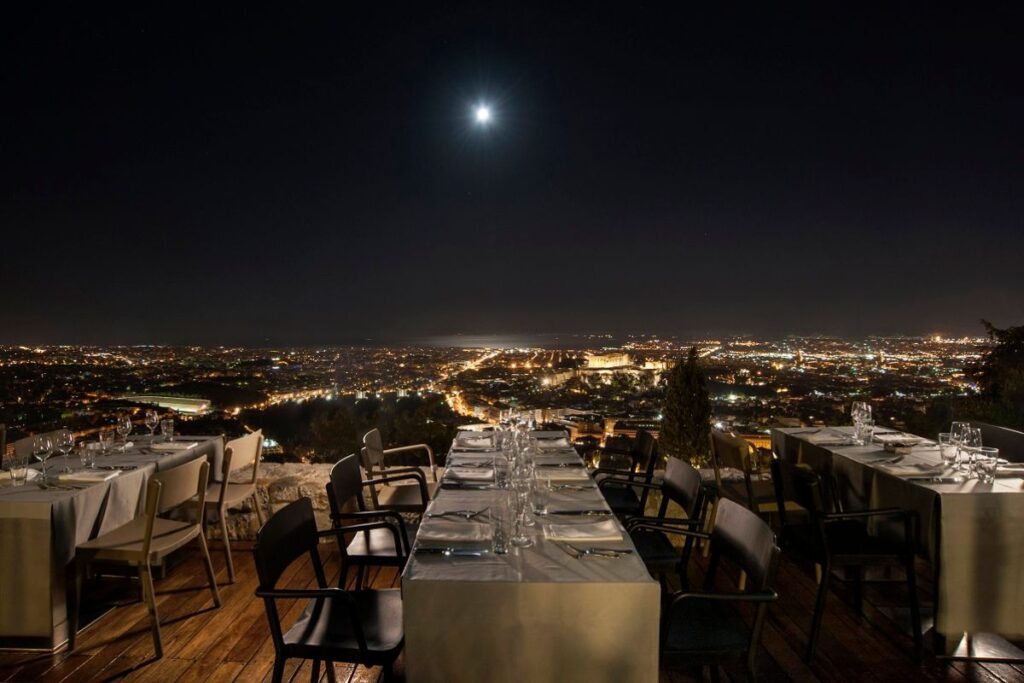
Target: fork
[
  {"x": 580, "y": 553},
  {"x": 462, "y": 514}
]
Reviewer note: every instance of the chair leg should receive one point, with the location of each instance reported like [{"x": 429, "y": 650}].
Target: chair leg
[
  {"x": 359, "y": 577},
  {"x": 915, "y": 610},
  {"x": 74, "y": 607},
  {"x": 208, "y": 565},
  {"x": 227, "y": 545},
  {"x": 278, "y": 675},
  {"x": 858, "y": 590},
  {"x": 146, "y": 578},
  {"x": 256, "y": 507},
  {"x": 314, "y": 677},
  {"x": 331, "y": 676},
  {"x": 819, "y": 611}
]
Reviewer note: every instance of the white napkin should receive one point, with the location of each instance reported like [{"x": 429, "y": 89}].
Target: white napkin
[
  {"x": 470, "y": 473},
  {"x": 552, "y": 444},
  {"x": 472, "y": 440},
  {"x": 594, "y": 531},
  {"x": 562, "y": 473},
  {"x": 912, "y": 469},
  {"x": 827, "y": 438},
  {"x": 557, "y": 459},
  {"x": 89, "y": 476},
  {"x": 174, "y": 445},
  {"x": 6, "y": 480},
  {"x": 449, "y": 531}
]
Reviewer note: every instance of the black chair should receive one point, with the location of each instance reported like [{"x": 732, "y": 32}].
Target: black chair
[
  {"x": 619, "y": 486},
  {"x": 359, "y": 627},
  {"x": 652, "y": 535},
  {"x": 834, "y": 539},
  {"x": 371, "y": 537},
  {"x": 1010, "y": 442},
  {"x": 702, "y": 628}
]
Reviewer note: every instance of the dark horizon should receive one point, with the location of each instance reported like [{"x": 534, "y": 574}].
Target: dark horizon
[{"x": 297, "y": 176}]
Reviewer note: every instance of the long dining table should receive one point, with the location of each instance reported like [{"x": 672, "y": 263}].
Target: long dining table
[
  {"x": 972, "y": 532},
  {"x": 41, "y": 524},
  {"x": 538, "y": 613}
]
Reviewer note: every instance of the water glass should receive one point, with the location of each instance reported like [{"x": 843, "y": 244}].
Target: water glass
[
  {"x": 167, "y": 429},
  {"x": 986, "y": 461},
  {"x": 501, "y": 520},
  {"x": 947, "y": 449},
  {"x": 970, "y": 442},
  {"x": 87, "y": 454},
  {"x": 124, "y": 428},
  {"x": 106, "y": 440},
  {"x": 18, "y": 467}
]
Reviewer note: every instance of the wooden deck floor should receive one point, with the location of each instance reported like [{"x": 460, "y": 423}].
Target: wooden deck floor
[{"x": 233, "y": 643}]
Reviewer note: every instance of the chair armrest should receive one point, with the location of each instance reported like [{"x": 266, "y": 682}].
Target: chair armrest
[
  {"x": 294, "y": 593},
  {"x": 623, "y": 481},
  {"x": 404, "y": 475},
  {"x": 668, "y": 529},
  {"x": 861, "y": 514},
  {"x": 766, "y": 596},
  {"x": 662, "y": 521},
  {"x": 612, "y": 471},
  {"x": 613, "y": 451},
  {"x": 417, "y": 447},
  {"x": 396, "y": 534}
]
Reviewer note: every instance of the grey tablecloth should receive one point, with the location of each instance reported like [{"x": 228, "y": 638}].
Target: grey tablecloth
[
  {"x": 39, "y": 530},
  {"x": 974, "y": 532},
  {"x": 536, "y": 614}
]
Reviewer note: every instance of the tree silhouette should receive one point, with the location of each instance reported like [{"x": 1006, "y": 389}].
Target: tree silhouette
[{"x": 686, "y": 418}]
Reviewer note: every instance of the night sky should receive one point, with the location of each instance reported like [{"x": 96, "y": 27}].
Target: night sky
[{"x": 295, "y": 176}]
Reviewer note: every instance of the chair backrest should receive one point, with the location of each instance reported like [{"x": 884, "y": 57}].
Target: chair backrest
[
  {"x": 803, "y": 486},
  {"x": 746, "y": 540},
  {"x": 242, "y": 452},
  {"x": 373, "y": 449},
  {"x": 646, "y": 452},
  {"x": 180, "y": 484},
  {"x": 1010, "y": 442},
  {"x": 683, "y": 486},
  {"x": 346, "y": 484},
  {"x": 23, "y": 447},
  {"x": 728, "y": 450},
  {"x": 287, "y": 535}
]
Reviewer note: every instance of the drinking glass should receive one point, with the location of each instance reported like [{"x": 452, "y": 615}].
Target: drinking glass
[
  {"x": 947, "y": 450},
  {"x": 87, "y": 454},
  {"x": 42, "y": 449},
  {"x": 106, "y": 440},
  {"x": 501, "y": 520},
  {"x": 986, "y": 461},
  {"x": 167, "y": 429},
  {"x": 124, "y": 428},
  {"x": 970, "y": 442},
  {"x": 152, "y": 422},
  {"x": 520, "y": 495},
  {"x": 65, "y": 444},
  {"x": 18, "y": 467}
]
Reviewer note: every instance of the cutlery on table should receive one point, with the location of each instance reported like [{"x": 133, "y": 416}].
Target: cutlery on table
[
  {"x": 572, "y": 487},
  {"x": 461, "y": 514},
  {"x": 452, "y": 552},
  {"x": 573, "y": 512},
  {"x": 579, "y": 553}
]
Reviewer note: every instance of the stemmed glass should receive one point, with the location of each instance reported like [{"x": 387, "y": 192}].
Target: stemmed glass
[
  {"x": 42, "y": 449},
  {"x": 152, "y": 422},
  {"x": 66, "y": 444},
  {"x": 106, "y": 440},
  {"x": 957, "y": 431},
  {"x": 970, "y": 444},
  {"x": 124, "y": 428}
]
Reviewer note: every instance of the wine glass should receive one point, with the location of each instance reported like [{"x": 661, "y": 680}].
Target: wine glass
[
  {"x": 106, "y": 440},
  {"x": 956, "y": 437},
  {"x": 42, "y": 449},
  {"x": 65, "y": 444},
  {"x": 124, "y": 428},
  {"x": 152, "y": 422},
  {"x": 971, "y": 445},
  {"x": 167, "y": 429}
]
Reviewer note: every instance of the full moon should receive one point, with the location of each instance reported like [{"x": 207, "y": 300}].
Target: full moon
[{"x": 483, "y": 114}]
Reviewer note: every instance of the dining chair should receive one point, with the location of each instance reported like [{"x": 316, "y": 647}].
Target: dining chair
[
  {"x": 336, "y": 625},
  {"x": 754, "y": 489},
  {"x": 401, "y": 498},
  {"x": 703, "y": 628},
  {"x": 681, "y": 485},
  {"x": 246, "y": 451},
  {"x": 1010, "y": 442},
  {"x": 149, "y": 538},
  {"x": 626, "y": 489},
  {"x": 372, "y": 537},
  {"x": 835, "y": 539}
]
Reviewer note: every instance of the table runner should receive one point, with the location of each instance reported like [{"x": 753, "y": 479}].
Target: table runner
[
  {"x": 534, "y": 614},
  {"x": 39, "y": 530},
  {"x": 973, "y": 532}
]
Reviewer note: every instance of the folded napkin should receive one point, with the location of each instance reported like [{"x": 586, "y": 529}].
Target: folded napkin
[
  {"x": 897, "y": 439},
  {"x": 911, "y": 469},
  {"x": 7, "y": 480},
  {"x": 553, "y": 444},
  {"x": 557, "y": 459},
  {"x": 562, "y": 474},
  {"x": 88, "y": 476},
  {"x": 470, "y": 473},
  {"x": 450, "y": 531},
  {"x": 825, "y": 438},
  {"x": 174, "y": 445},
  {"x": 466, "y": 440},
  {"x": 606, "y": 530},
  {"x": 456, "y": 459}
]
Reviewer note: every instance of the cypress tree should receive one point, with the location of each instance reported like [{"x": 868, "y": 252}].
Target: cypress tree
[{"x": 686, "y": 418}]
